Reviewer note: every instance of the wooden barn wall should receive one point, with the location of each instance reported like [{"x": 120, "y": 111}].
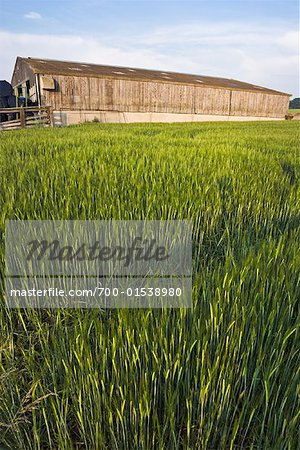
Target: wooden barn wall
[
  {"x": 84, "y": 93},
  {"x": 244, "y": 103},
  {"x": 212, "y": 101},
  {"x": 22, "y": 73}
]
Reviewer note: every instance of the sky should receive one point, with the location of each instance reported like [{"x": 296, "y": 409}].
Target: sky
[{"x": 256, "y": 41}]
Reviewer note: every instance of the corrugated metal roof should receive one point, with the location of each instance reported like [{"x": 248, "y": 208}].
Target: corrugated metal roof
[{"x": 53, "y": 67}]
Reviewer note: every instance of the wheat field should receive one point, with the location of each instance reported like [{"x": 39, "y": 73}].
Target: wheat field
[{"x": 223, "y": 374}]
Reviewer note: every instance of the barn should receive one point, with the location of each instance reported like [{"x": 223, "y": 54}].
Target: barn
[{"x": 80, "y": 92}]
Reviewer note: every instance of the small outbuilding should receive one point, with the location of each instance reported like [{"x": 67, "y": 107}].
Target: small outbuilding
[{"x": 82, "y": 91}]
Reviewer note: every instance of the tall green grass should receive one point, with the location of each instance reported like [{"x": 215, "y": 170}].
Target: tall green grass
[{"x": 222, "y": 375}]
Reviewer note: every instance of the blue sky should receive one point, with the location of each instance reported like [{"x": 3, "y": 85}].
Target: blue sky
[{"x": 254, "y": 41}]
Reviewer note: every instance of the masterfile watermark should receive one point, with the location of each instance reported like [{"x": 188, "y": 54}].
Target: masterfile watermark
[
  {"x": 99, "y": 293},
  {"x": 140, "y": 263},
  {"x": 140, "y": 249}
]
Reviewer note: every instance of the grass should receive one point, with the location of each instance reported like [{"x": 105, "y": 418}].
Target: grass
[
  {"x": 294, "y": 111},
  {"x": 221, "y": 375}
]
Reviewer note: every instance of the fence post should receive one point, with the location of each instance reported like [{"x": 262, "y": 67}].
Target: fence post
[
  {"x": 49, "y": 116},
  {"x": 22, "y": 117}
]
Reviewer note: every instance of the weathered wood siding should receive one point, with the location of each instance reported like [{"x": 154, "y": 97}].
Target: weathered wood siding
[
  {"x": 84, "y": 93},
  {"x": 22, "y": 73},
  {"x": 244, "y": 103}
]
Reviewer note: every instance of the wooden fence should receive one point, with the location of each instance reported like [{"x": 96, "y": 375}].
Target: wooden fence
[{"x": 26, "y": 117}]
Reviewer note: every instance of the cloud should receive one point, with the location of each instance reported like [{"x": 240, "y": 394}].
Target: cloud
[
  {"x": 267, "y": 55},
  {"x": 263, "y": 54},
  {"x": 76, "y": 48},
  {"x": 33, "y": 15}
]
